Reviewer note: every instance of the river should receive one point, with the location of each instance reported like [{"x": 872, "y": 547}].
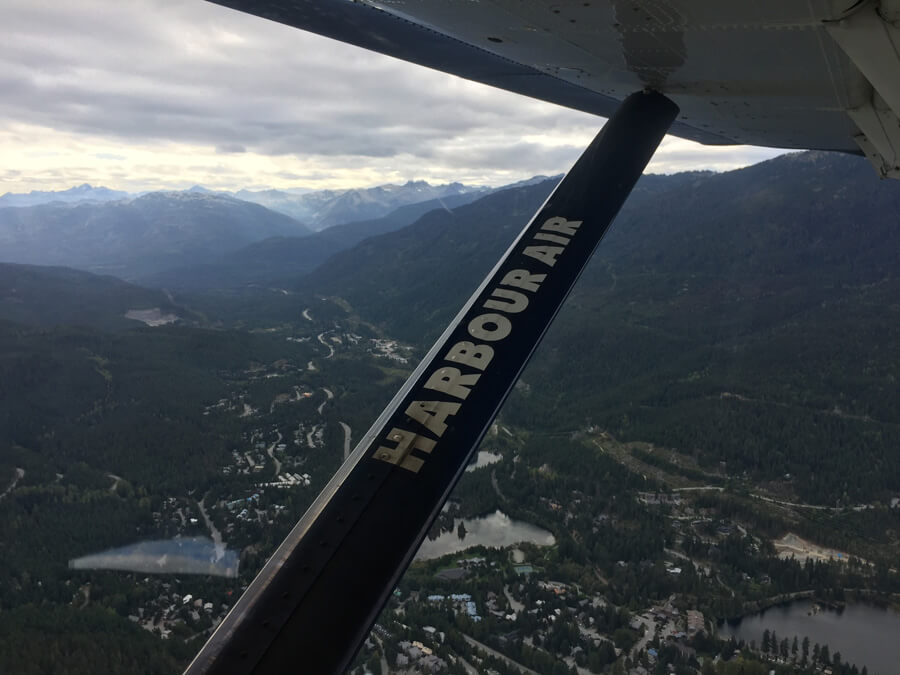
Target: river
[
  {"x": 864, "y": 634},
  {"x": 497, "y": 529}
]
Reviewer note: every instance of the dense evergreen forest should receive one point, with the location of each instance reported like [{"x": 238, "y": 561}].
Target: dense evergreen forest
[
  {"x": 734, "y": 333},
  {"x": 745, "y": 317}
]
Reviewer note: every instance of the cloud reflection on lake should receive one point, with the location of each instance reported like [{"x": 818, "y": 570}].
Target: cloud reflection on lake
[{"x": 194, "y": 555}]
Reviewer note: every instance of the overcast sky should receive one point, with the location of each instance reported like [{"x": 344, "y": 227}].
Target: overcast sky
[{"x": 148, "y": 94}]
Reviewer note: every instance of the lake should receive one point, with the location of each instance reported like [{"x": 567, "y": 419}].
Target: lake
[
  {"x": 189, "y": 555},
  {"x": 484, "y": 458},
  {"x": 497, "y": 529},
  {"x": 864, "y": 634}
]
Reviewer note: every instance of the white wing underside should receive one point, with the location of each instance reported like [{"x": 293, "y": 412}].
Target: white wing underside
[{"x": 820, "y": 74}]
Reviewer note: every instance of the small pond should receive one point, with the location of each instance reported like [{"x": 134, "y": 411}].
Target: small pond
[{"x": 496, "y": 530}]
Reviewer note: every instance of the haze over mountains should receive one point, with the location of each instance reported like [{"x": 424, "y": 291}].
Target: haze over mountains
[
  {"x": 133, "y": 238},
  {"x": 324, "y": 208},
  {"x": 79, "y": 193},
  {"x": 192, "y": 238},
  {"x": 318, "y": 209}
]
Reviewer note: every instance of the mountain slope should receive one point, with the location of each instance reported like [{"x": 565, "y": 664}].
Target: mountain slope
[
  {"x": 273, "y": 260},
  {"x": 136, "y": 237},
  {"x": 745, "y": 317},
  {"x": 49, "y": 296},
  {"x": 325, "y": 208}
]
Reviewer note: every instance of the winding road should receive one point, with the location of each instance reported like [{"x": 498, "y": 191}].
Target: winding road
[
  {"x": 306, "y": 314},
  {"x": 216, "y": 535},
  {"x": 20, "y": 474},
  {"x": 384, "y": 664},
  {"x": 328, "y": 396},
  {"x": 321, "y": 338},
  {"x": 497, "y": 485},
  {"x": 513, "y": 603},
  {"x": 310, "y": 434},
  {"x": 271, "y": 452},
  {"x": 497, "y": 655},
  {"x": 346, "y": 428}
]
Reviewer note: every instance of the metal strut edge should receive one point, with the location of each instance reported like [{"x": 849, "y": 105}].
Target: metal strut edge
[{"x": 315, "y": 600}]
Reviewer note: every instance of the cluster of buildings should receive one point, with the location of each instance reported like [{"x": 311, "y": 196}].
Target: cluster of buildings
[
  {"x": 416, "y": 655},
  {"x": 285, "y": 480},
  {"x": 390, "y": 349},
  {"x": 162, "y": 614},
  {"x": 462, "y": 602}
]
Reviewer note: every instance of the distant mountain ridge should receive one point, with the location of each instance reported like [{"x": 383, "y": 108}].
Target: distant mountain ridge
[
  {"x": 133, "y": 238},
  {"x": 79, "y": 193},
  {"x": 280, "y": 259},
  {"x": 324, "y": 208},
  {"x": 193, "y": 239},
  {"x": 319, "y": 209}
]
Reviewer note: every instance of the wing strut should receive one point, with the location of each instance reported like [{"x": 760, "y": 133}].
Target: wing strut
[{"x": 314, "y": 602}]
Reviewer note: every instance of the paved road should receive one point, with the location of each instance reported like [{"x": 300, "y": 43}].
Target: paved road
[
  {"x": 649, "y": 633},
  {"x": 793, "y": 504},
  {"x": 20, "y": 474},
  {"x": 718, "y": 488},
  {"x": 346, "y": 428},
  {"x": 470, "y": 669},
  {"x": 497, "y": 655},
  {"x": 309, "y": 436},
  {"x": 271, "y": 452},
  {"x": 384, "y": 664},
  {"x": 116, "y": 481},
  {"x": 513, "y": 603},
  {"x": 497, "y": 485},
  {"x": 328, "y": 396},
  {"x": 321, "y": 338},
  {"x": 306, "y": 314},
  {"x": 216, "y": 535}
]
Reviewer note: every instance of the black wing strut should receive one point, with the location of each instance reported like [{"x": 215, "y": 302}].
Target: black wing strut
[{"x": 314, "y": 602}]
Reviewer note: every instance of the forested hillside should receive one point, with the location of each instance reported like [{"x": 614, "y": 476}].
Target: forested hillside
[
  {"x": 744, "y": 317},
  {"x": 51, "y": 296},
  {"x": 137, "y": 237},
  {"x": 734, "y": 337}
]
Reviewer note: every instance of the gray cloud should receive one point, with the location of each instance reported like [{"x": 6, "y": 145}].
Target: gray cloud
[
  {"x": 190, "y": 72},
  {"x": 230, "y": 148}
]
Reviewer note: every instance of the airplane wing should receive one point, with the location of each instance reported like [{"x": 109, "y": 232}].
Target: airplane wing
[{"x": 820, "y": 74}]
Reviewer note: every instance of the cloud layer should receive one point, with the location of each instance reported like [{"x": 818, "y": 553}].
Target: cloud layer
[{"x": 168, "y": 93}]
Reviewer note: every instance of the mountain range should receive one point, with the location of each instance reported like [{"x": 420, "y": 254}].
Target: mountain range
[
  {"x": 741, "y": 328},
  {"x": 277, "y": 260},
  {"x": 79, "y": 193},
  {"x": 746, "y": 319},
  {"x": 324, "y": 208},
  {"x": 132, "y": 238},
  {"x": 193, "y": 238},
  {"x": 318, "y": 209}
]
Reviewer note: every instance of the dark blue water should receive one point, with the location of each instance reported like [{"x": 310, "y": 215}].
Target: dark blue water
[{"x": 864, "y": 634}]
